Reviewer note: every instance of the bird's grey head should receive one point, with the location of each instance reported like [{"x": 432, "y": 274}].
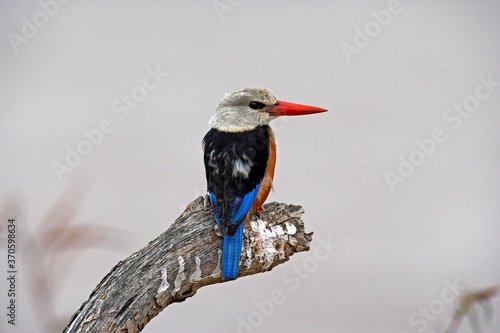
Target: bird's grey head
[{"x": 244, "y": 110}]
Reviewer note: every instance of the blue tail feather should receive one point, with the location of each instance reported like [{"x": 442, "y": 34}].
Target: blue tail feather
[{"x": 231, "y": 253}]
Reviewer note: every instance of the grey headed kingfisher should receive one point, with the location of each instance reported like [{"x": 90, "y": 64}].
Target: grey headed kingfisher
[{"x": 240, "y": 157}]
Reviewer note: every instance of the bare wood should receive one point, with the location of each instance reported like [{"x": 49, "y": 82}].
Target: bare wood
[{"x": 183, "y": 259}]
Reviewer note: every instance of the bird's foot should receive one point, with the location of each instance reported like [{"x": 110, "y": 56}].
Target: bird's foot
[{"x": 260, "y": 210}]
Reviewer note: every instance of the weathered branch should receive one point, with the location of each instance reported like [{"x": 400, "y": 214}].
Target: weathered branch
[{"x": 183, "y": 259}]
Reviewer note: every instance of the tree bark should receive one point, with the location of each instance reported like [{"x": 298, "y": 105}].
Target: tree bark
[{"x": 183, "y": 259}]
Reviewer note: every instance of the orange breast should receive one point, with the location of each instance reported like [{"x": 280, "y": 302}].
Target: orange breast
[{"x": 267, "y": 181}]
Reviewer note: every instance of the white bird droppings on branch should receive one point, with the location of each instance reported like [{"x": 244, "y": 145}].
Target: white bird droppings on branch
[
  {"x": 266, "y": 242},
  {"x": 181, "y": 276},
  {"x": 164, "y": 283}
]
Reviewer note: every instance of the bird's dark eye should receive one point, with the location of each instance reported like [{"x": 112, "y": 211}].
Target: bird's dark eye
[{"x": 256, "y": 105}]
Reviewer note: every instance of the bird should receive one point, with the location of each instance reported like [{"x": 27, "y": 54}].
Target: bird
[{"x": 239, "y": 153}]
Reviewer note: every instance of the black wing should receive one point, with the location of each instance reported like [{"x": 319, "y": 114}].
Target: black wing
[{"x": 235, "y": 164}]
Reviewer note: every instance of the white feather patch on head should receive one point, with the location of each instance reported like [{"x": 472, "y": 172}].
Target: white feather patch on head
[{"x": 233, "y": 114}]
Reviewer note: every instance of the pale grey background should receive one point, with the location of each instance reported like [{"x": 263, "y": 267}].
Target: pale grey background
[{"x": 395, "y": 248}]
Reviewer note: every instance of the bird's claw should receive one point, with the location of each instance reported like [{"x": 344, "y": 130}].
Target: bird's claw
[{"x": 260, "y": 210}]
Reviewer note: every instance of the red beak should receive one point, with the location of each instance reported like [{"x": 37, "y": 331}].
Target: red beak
[{"x": 291, "y": 109}]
